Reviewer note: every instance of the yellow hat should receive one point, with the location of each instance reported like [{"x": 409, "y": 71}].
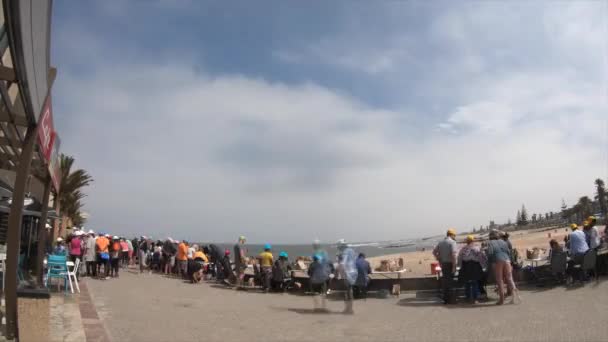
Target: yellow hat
[
  {"x": 591, "y": 218},
  {"x": 470, "y": 238},
  {"x": 585, "y": 223},
  {"x": 574, "y": 226},
  {"x": 452, "y": 231}
]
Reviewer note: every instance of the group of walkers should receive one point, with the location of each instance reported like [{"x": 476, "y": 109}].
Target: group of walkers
[
  {"x": 101, "y": 255},
  {"x": 497, "y": 257},
  {"x": 193, "y": 262},
  {"x": 473, "y": 260}
]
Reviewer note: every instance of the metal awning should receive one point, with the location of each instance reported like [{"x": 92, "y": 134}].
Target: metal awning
[{"x": 14, "y": 118}]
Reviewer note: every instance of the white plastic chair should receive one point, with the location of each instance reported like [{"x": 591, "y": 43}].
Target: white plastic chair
[{"x": 72, "y": 273}]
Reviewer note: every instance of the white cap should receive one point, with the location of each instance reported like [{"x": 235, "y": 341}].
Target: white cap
[
  {"x": 115, "y": 237},
  {"x": 91, "y": 231},
  {"x": 48, "y": 226},
  {"x": 59, "y": 239}
]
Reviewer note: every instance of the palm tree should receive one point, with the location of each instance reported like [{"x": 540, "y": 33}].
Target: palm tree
[
  {"x": 68, "y": 198},
  {"x": 601, "y": 196},
  {"x": 585, "y": 207}
]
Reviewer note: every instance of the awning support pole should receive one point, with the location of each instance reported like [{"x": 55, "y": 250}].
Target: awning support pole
[
  {"x": 42, "y": 232},
  {"x": 13, "y": 239}
]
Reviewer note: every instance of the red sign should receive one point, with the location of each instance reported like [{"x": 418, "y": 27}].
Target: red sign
[
  {"x": 46, "y": 130},
  {"x": 55, "y": 163}
]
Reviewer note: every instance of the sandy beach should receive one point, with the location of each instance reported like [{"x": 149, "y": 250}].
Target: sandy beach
[{"x": 418, "y": 263}]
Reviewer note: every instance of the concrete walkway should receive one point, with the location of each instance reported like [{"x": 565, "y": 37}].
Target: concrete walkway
[
  {"x": 73, "y": 318},
  {"x": 154, "y": 308},
  {"x": 65, "y": 321}
]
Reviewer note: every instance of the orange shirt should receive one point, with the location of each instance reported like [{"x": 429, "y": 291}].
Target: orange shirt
[
  {"x": 182, "y": 252},
  {"x": 102, "y": 244},
  {"x": 199, "y": 254}
]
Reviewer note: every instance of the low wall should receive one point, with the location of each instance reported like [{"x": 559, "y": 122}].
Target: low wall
[{"x": 521, "y": 276}]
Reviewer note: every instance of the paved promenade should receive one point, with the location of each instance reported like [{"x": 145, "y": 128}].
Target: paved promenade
[{"x": 154, "y": 308}]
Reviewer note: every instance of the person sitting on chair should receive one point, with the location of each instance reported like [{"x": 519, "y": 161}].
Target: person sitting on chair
[
  {"x": 281, "y": 272},
  {"x": 555, "y": 247},
  {"x": 60, "y": 247}
]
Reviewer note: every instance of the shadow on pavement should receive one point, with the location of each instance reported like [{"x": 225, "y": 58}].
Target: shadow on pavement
[
  {"x": 430, "y": 302},
  {"x": 313, "y": 312},
  {"x": 303, "y": 311}
]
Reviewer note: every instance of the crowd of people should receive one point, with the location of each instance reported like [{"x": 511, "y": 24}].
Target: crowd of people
[
  {"x": 475, "y": 262},
  {"x": 472, "y": 262},
  {"x": 103, "y": 255}
]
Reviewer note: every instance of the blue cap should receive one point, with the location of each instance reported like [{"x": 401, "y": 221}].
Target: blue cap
[
  {"x": 267, "y": 246},
  {"x": 283, "y": 255}
]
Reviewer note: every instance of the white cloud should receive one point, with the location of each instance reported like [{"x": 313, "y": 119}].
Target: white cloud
[{"x": 209, "y": 156}]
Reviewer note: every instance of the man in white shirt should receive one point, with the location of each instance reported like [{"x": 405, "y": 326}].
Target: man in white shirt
[{"x": 592, "y": 236}]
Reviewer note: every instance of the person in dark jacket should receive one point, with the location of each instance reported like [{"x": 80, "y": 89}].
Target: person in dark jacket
[
  {"x": 224, "y": 272},
  {"x": 168, "y": 255},
  {"x": 281, "y": 275},
  {"x": 363, "y": 272},
  {"x": 318, "y": 273},
  {"x": 215, "y": 256}
]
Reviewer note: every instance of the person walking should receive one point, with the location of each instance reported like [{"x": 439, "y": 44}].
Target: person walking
[
  {"x": 224, "y": 270},
  {"x": 115, "y": 253},
  {"x": 266, "y": 260},
  {"x": 445, "y": 252},
  {"x": 90, "y": 257},
  {"x": 130, "y": 251},
  {"x": 75, "y": 246},
  {"x": 499, "y": 255},
  {"x": 239, "y": 261},
  {"x": 347, "y": 271},
  {"x": 317, "y": 249},
  {"x": 363, "y": 271},
  {"x": 318, "y": 273},
  {"x": 124, "y": 252},
  {"x": 142, "y": 250},
  {"x": 103, "y": 256},
  {"x": 182, "y": 259}
]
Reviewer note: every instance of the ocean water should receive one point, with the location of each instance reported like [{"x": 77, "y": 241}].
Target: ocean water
[{"x": 370, "y": 249}]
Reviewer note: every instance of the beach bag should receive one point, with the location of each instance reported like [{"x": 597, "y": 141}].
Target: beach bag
[
  {"x": 532, "y": 254},
  {"x": 104, "y": 256}
]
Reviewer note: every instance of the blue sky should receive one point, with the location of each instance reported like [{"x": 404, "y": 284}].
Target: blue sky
[{"x": 287, "y": 121}]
